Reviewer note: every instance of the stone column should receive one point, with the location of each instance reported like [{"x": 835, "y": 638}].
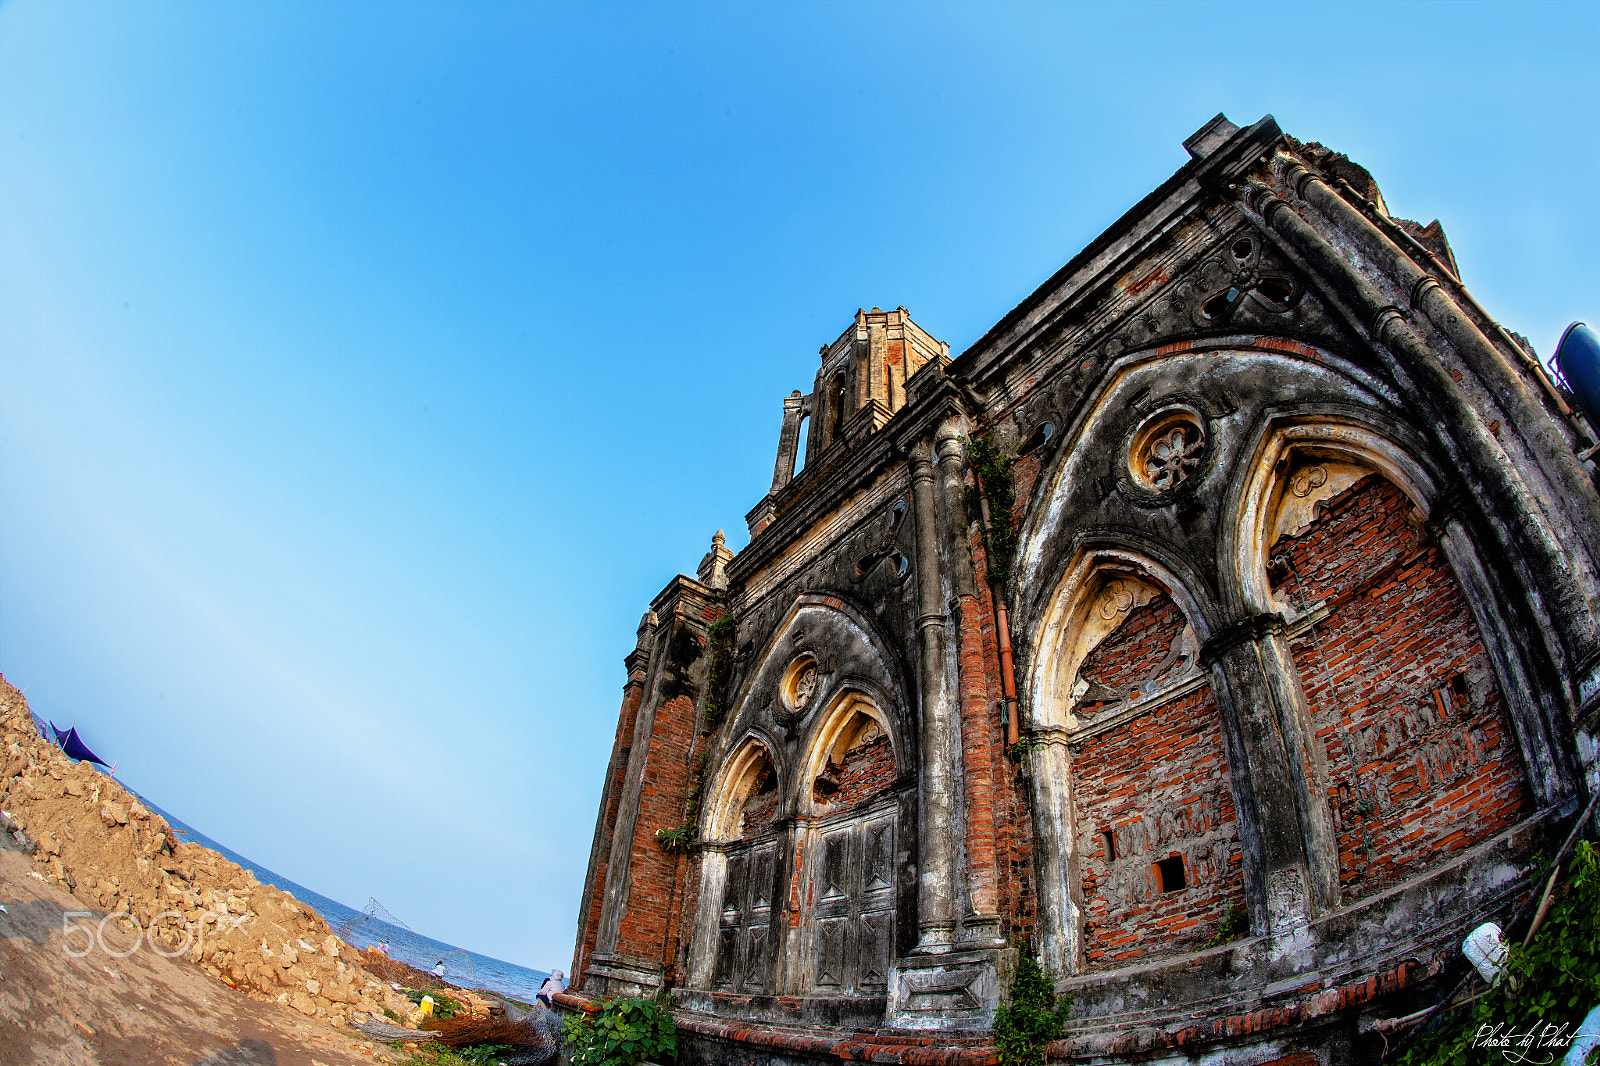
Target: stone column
[
  {"x": 936, "y": 872},
  {"x": 1055, "y": 835},
  {"x": 788, "y": 440},
  {"x": 1291, "y": 854},
  {"x": 969, "y": 694}
]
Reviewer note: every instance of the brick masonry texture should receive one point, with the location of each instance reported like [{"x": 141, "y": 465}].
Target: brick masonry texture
[
  {"x": 1418, "y": 769},
  {"x": 1013, "y": 839},
  {"x": 654, "y": 873},
  {"x": 1361, "y": 829},
  {"x": 1137, "y": 652},
  {"x": 868, "y": 769},
  {"x": 1159, "y": 784},
  {"x": 610, "y": 797}
]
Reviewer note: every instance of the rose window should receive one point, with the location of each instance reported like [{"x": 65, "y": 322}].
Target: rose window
[{"x": 1167, "y": 450}]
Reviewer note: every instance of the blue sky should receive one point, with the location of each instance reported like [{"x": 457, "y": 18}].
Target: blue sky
[{"x": 365, "y": 369}]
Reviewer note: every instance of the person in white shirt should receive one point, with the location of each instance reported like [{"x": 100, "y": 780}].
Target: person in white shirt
[{"x": 555, "y": 984}]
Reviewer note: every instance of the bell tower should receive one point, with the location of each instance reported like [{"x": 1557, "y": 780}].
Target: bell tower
[{"x": 859, "y": 387}]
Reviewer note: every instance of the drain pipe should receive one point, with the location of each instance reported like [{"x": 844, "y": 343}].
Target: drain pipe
[{"x": 1002, "y": 627}]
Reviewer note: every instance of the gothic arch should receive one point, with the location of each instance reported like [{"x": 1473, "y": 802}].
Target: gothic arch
[
  {"x": 1071, "y": 625},
  {"x": 739, "y": 777},
  {"x": 1108, "y": 596},
  {"x": 1331, "y": 530},
  {"x": 854, "y": 719},
  {"x": 1068, "y": 474},
  {"x": 1258, "y": 502}
]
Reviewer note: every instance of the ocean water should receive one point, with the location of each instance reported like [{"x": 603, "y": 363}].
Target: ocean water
[{"x": 465, "y": 968}]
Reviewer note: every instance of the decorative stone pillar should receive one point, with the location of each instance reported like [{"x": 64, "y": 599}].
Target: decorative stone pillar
[
  {"x": 788, "y": 440},
  {"x": 937, "y": 872},
  {"x": 1291, "y": 854}
]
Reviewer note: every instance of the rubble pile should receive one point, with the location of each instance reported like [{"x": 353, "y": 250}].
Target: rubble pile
[{"x": 88, "y": 834}]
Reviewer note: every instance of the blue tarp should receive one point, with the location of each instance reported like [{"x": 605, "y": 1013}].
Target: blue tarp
[{"x": 74, "y": 747}]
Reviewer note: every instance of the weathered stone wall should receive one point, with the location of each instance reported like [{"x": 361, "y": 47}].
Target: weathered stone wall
[{"x": 1341, "y": 710}]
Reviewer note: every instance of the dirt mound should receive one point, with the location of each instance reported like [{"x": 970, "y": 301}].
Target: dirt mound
[{"x": 86, "y": 833}]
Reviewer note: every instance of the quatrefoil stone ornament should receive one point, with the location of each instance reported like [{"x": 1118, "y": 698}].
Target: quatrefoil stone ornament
[{"x": 1173, "y": 456}]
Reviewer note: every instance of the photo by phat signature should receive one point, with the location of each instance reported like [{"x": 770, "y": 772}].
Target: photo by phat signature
[
  {"x": 79, "y": 937},
  {"x": 1543, "y": 1043}
]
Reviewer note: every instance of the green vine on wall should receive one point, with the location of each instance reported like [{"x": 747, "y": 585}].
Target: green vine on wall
[
  {"x": 1553, "y": 980},
  {"x": 1023, "y": 1027},
  {"x": 993, "y": 468}
]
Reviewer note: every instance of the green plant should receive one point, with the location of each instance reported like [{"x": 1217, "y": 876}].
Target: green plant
[
  {"x": 1022, "y": 745},
  {"x": 993, "y": 468},
  {"x": 477, "y": 1055},
  {"x": 443, "y": 1005},
  {"x": 1234, "y": 926},
  {"x": 677, "y": 839},
  {"x": 721, "y": 636},
  {"x": 1553, "y": 980},
  {"x": 1032, "y": 1019},
  {"x": 623, "y": 1032}
]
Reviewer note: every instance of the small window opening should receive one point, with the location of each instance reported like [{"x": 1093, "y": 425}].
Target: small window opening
[
  {"x": 897, "y": 516},
  {"x": 835, "y": 407},
  {"x": 1037, "y": 439},
  {"x": 1109, "y": 840},
  {"x": 868, "y": 561},
  {"x": 1220, "y": 304},
  {"x": 1171, "y": 871},
  {"x": 1242, "y": 248},
  {"x": 800, "y": 447},
  {"x": 1451, "y": 698},
  {"x": 1276, "y": 291},
  {"x": 901, "y": 564}
]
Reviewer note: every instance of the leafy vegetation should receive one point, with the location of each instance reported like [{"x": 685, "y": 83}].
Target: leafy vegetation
[
  {"x": 443, "y": 1005},
  {"x": 1554, "y": 980},
  {"x": 624, "y": 1032},
  {"x": 677, "y": 839},
  {"x": 478, "y": 1055},
  {"x": 993, "y": 468},
  {"x": 721, "y": 635},
  {"x": 1234, "y": 926},
  {"x": 1022, "y": 745},
  {"x": 1032, "y": 1019}
]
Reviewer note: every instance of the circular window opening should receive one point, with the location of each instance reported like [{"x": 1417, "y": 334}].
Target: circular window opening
[
  {"x": 1167, "y": 449},
  {"x": 799, "y": 683},
  {"x": 1242, "y": 248},
  {"x": 1037, "y": 439}
]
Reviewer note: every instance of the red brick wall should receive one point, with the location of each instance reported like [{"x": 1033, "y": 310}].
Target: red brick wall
[
  {"x": 1160, "y": 784},
  {"x": 868, "y": 769},
  {"x": 1414, "y": 777},
  {"x": 978, "y": 671},
  {"x": 1012, "y": 813},
  {"x": 610, "y": 797},
  {"x": 1137, "y": 652},
  {"x": 653, "y": 873}
]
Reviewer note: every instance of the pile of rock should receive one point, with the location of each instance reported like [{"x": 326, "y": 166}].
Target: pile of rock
[{"x": 86, "y": 833}]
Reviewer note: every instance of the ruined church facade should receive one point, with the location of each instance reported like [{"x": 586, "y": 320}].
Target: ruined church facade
[{"x": 1222, "y": 629}]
